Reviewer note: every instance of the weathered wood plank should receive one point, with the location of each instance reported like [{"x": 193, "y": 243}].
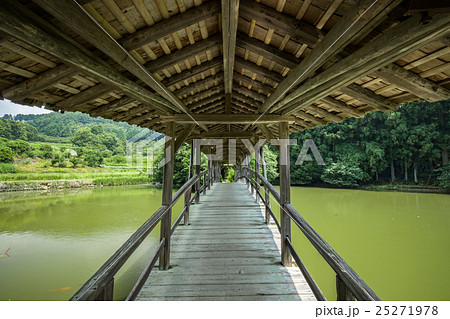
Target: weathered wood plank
[{"x": 226, "y": 253}]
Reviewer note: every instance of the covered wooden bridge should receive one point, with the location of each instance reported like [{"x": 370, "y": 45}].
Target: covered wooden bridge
[{"x": 227, "y": 70}]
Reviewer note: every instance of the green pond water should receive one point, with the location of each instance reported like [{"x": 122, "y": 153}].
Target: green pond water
[{"x": 397, "y": 242}]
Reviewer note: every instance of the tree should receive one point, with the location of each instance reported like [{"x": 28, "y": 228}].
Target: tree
[{"x": 6, "y": 155}]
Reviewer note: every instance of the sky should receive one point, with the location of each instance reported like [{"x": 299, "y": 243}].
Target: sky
[{"x": 8, "y": 107}]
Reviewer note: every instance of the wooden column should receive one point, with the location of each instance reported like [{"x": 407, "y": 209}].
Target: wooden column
[
  {"x": 252, "y": 177},
  {"x": 257, "y": 188},
  {"x": 166, "y": 221},
  {"x": 213, "y": 173},
  {"x": 247, "y": 174},
  {"x": 285, "y": 193},
  {"x": 342, "y": 291},
  {"x": 209, "y": 174},
  {"x": 197, "y": 171},
  {"x": 266, "y": 190},
  {"x": 187, "y": 195}
]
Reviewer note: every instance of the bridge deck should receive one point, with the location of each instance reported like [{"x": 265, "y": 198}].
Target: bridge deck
[{"x": 226, "y": 253}]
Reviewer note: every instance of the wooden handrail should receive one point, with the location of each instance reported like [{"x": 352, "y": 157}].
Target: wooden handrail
[
  {"x": 144, "y": 275},
  {"x": 105, "y": 274},
  {"x": 311, "y": 283},
  {"x": 356, "y": 285}
]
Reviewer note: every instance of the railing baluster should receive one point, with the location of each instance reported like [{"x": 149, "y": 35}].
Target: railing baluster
[
  {"x": 107, "y": 293},
  {"x": 342, "y": 291}
]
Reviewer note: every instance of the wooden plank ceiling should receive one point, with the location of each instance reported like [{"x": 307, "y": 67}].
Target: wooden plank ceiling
[{"x": 225, "y": 64}]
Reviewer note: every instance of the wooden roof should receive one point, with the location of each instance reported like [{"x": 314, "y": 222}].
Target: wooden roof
[{"x": 226, "y": 64}]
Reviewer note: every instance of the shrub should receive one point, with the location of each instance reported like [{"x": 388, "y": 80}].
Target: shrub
[
  {"x": 444, "y": 176},
  {"x": 7, "y": 168},
  {"x": 46, "y": 151},
  {"x": 6, "y": 155},
  {"x": 341, "y": 173}
]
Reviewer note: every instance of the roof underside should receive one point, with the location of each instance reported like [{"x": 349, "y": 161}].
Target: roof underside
[{"x": 224, "y": 64}]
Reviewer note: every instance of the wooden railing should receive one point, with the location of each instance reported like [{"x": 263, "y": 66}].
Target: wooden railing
[
  {"x": 101, "y": 285},
  {"x": 349, "y": 285}
]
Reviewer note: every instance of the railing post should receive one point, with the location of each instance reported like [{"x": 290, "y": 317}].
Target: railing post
[
  {"x": 285, "y": 193},
  {"x": 166, "y": 220},
  {"x": 266, "y": 189},
  {"x": 187, "y": 195},
  {"x": 209, "y": 174},
  {"x": 343, "y": 293},
  {"x": 212, "y": 172},
  {"x": 257, "y": 188},
  {"x": 197, "y": 171},
  {"x": 107, "y": 293}
]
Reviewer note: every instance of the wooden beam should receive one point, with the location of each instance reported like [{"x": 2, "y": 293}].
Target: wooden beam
[
  {"x": 254, "y": 84},
  {"x": 269, "y": 52},
  {"x": 246, "y": 92},
  {"x": 84, "y": 97},
  {"x": 285, "y": 193},
  {"x": 259, "y": 70},
  {"x": 38, "y": 83},
  {"x": 226, "y": 119},
  {"x": 181, "y": 137},
  {"x": 209, "y": 82},
  {"x": 75, "y": 17},
  {"x": 298, "y": 30},
  {"x": 186, "y": 74},
  {"x": 166, "y": 220},
  {"x": 210, "y": 99},
  {"x": 171, "y": 25},
  {"x": 26, "y": 26},
  {"x": 342, "y": 107},
  {"x": 387, "y": 48},
  {"x": 225, "y": 135},
  {"x": 369, "y": 97},
  {"x": 324, "y": 113},
  {"x": 183, "y": 54},
  {"x": 412, "y": 82},
  {"x": 132, "y": 113},
  {"x": 203, "y": 95},
  {"x": 250, "y": 101},
  {"x": 111, "y": 107},
  {"x": 358, "y": 19},
  {"x": 230, "y": 13},
  {"x": 210, "y": 106}
]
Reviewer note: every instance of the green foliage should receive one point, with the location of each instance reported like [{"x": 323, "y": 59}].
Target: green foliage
[
  {"x": 75, "y": 161},
  {"x": 7, "y": 168},
  {"x": 46, "y": 151},
  {"x": 230, "y": 175},
  {"x": 341, "y": 173},
  {"x": 19, "y": 147},
  {"x": 6, "y": 155},
  {"x": 13, "y": 130},
  {"x": 93, "y": 158},
  {"x": 444, "y": 176}
]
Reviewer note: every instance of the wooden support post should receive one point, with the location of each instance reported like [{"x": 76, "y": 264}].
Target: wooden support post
[
  {"x": 107, "y": 294},
  {"x": 187, "y": 195},
  {"x": 209, "y": 174},
  {"x": 166, "y": 220},
  {"x": 266, "y": 190},
  {"x": 285, "y": 193},
  {"x": 247, "y": 174},
  {"x": 257, "y": 159},
  {"x": 197, "y": 171},
  {"x": 343, "y": 293},
  {"x": 252, "y": 177}
]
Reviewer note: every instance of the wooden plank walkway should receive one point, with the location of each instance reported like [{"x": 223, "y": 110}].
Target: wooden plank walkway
[{"x": 226, "y": 253}]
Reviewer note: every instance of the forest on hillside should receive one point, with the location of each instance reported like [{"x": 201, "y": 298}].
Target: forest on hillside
[{"x": 406, "y": 146}]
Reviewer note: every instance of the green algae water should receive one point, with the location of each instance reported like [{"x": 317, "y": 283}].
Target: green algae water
[{"x": 397, "y": 242}]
